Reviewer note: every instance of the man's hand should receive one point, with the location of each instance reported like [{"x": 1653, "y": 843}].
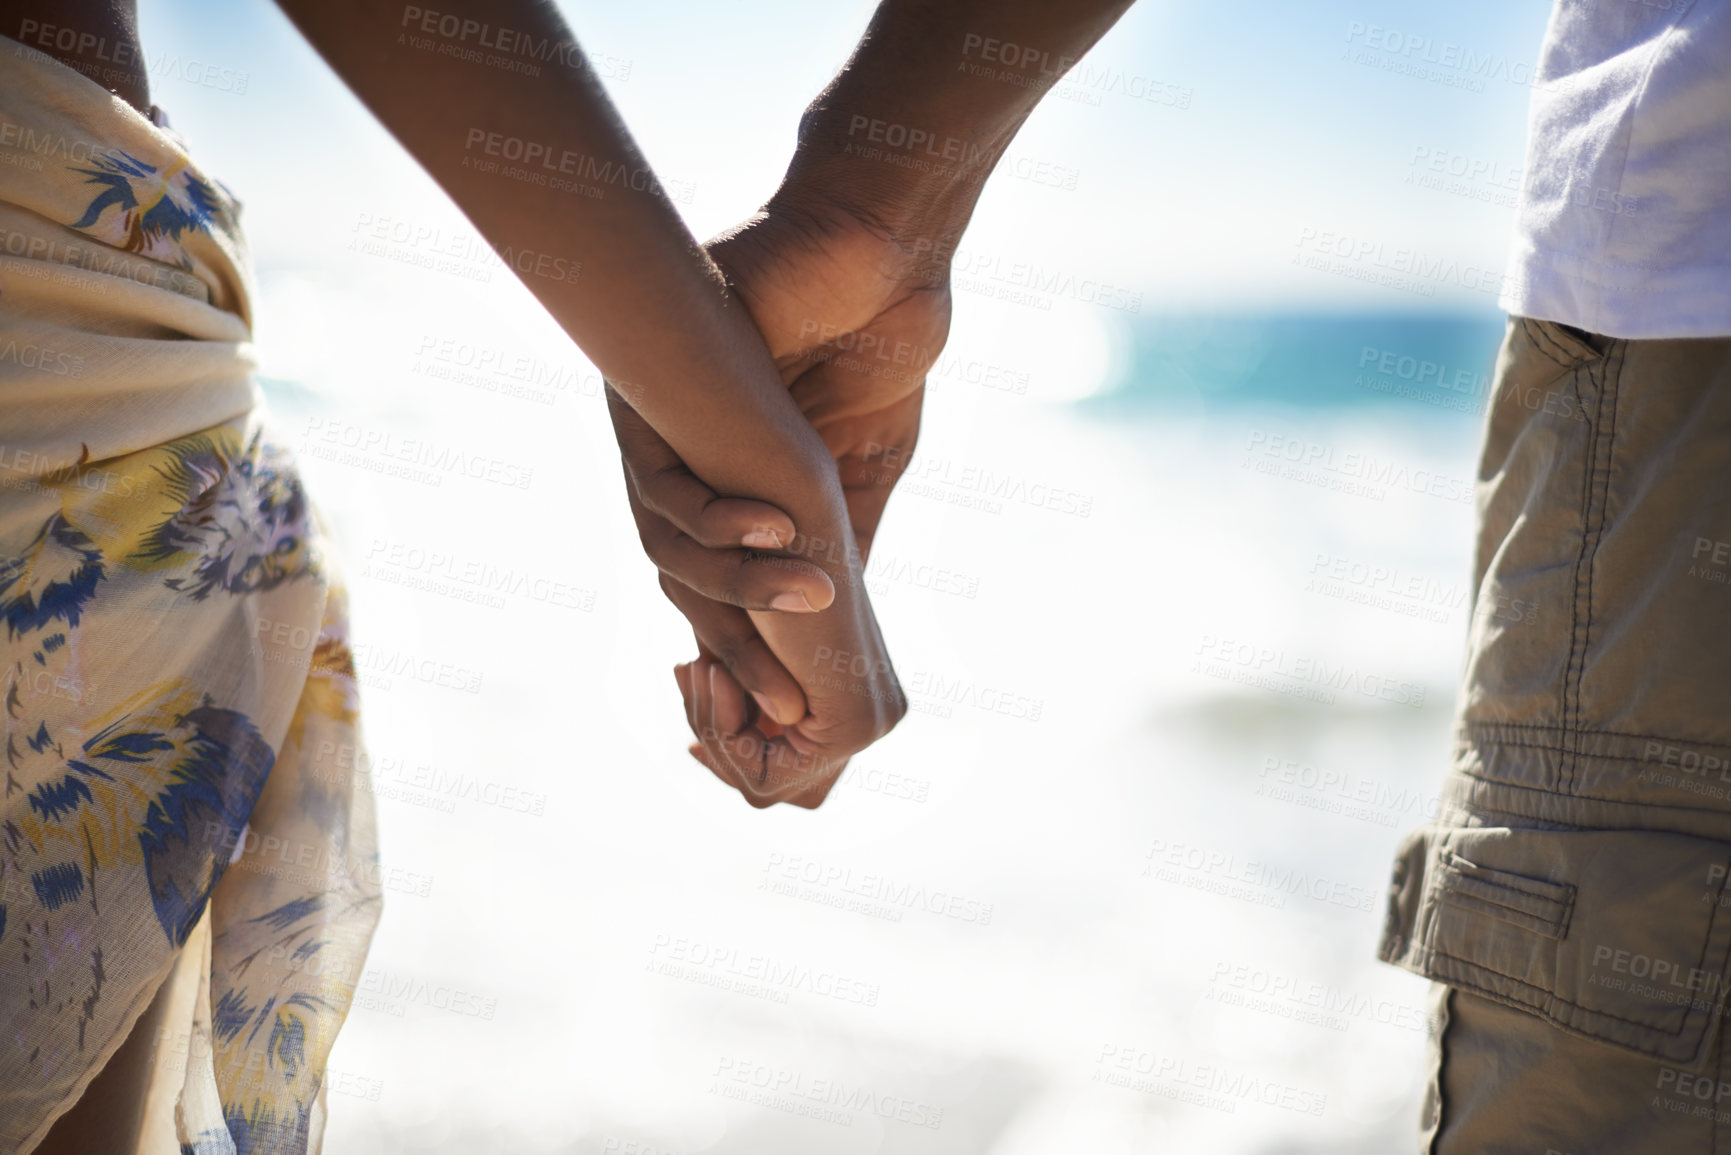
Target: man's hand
[{"x": 854, "y": 319}]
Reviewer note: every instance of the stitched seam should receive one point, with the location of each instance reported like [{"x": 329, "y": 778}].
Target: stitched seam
[
  {"x": 1700, "y": 967},
  {"x": 1552, "y": 899},
  {"x": 1442, "y": 1042},
  {"x": 1553, "y": 999},
  {"x": 1582, "y": 757},
  {"x": 1565, "y": 772},
  {"x": 1473, "y": 904},
  {"x": 1611, "y": 379},
  {"x": 1542, "y": 342},
  {"x": 1593, "y": 514},
  {"x": 1489, "y": 811},
  {"x": 1488, "y": 726},
  {"x": 1558, "y": 902},
  {"x": 1545, "y": 898}
]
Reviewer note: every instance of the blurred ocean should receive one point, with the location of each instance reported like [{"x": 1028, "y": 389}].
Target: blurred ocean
[{"x": 1180, "y": 603}]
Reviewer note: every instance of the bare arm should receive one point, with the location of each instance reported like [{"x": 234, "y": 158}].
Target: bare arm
[
  {"x": 544, "y": 168},
  {"x": 846, "y": 273},
  {"x": 543, "y": 165},
  {"x": 944, "y": 82}
]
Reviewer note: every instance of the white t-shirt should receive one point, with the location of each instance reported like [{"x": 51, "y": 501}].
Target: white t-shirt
[{"x": 1624, "y": 225}]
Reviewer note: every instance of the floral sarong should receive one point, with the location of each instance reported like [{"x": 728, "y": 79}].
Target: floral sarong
[{"x": 182, "y": 777}]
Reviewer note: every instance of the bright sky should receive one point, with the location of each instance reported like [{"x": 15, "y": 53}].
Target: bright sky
[{"x": 1289, "y": 127}]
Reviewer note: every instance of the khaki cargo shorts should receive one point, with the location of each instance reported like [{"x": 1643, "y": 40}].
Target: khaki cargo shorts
[{"x": 1573, "y": 901}]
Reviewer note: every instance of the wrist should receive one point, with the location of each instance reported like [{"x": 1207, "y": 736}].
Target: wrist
[
  {"x": 906, "y": 231},
  {"x": 915, "y": 187}
]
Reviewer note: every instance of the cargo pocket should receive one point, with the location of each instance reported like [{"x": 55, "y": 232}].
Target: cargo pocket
[{"x": 1620, "y": 936}]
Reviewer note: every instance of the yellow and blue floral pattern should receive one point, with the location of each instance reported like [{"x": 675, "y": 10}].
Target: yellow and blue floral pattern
[{"x": 175, "y": 672}]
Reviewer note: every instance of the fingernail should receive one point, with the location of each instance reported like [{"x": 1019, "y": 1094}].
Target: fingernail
[
  {"x": 762, "y": 539},
  {"x": 765, "y": 704},
  {"x": 792, "y": 601}
]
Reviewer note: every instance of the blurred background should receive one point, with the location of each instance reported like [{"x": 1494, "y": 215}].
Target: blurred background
[{"x": 1178, "y": 584}]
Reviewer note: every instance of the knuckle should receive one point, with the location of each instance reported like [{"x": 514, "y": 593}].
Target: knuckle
[
  {"x": 656, "y": 489},
  {"x": 709, "y": 528},
  {"x": 658, "y": 537},
  {"x": 735, "y": 593}
]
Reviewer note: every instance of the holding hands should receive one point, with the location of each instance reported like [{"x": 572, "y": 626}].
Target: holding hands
[
  {"x": 776, "y": 377},
  {"x": 853, "y": 320},
  {"x": 846, "y": 274}
]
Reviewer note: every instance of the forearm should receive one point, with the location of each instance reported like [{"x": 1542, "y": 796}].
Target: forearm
[
  {"x": 546, "y": 171},
  {"x": 907, "y": 134},
  {"x": 647, "y": 305}
]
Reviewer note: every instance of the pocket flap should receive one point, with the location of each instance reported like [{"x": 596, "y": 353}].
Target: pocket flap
[{"x": 1618, "y": 935}]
